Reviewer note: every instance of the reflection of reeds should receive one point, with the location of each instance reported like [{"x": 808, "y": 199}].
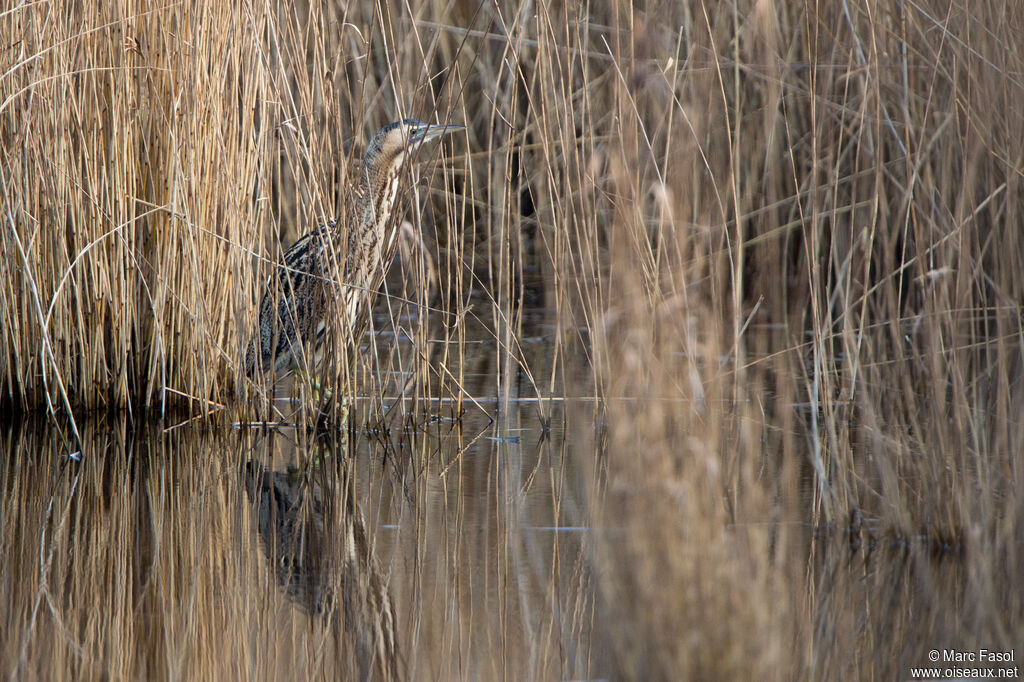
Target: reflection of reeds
[
  {"x": 137, "y": 563},
  {"x": 324, "y": 562}
]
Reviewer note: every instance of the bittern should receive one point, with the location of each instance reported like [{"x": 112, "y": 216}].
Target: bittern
[{"x": 294, "y": 309}]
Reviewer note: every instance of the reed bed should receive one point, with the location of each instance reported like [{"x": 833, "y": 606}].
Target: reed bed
[{"x": 779, "y": 243}]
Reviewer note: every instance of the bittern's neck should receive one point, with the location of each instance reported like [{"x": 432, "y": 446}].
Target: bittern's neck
[{"x": 380, "y": 178}]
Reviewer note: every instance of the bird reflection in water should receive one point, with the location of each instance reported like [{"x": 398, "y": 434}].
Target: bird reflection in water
[{"x": 316, "y": 539}]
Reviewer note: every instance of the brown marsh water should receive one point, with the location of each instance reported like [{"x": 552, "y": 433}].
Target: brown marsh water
[
  {"x": 202, "y": 552},
  {"x": 221, "y": 552}
]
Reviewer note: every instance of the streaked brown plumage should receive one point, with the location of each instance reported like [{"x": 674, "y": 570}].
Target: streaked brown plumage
[{"x": 347, "y": 260}]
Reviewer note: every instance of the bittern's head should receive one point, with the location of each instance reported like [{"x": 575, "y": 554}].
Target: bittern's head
[{"x": 401, "y": 138}]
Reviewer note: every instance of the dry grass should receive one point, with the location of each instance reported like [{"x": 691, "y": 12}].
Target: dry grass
[{"x": 780, "y": 241}]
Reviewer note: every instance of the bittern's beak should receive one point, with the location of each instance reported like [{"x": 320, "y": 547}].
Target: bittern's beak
[{"x": 436, "y": 130}]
